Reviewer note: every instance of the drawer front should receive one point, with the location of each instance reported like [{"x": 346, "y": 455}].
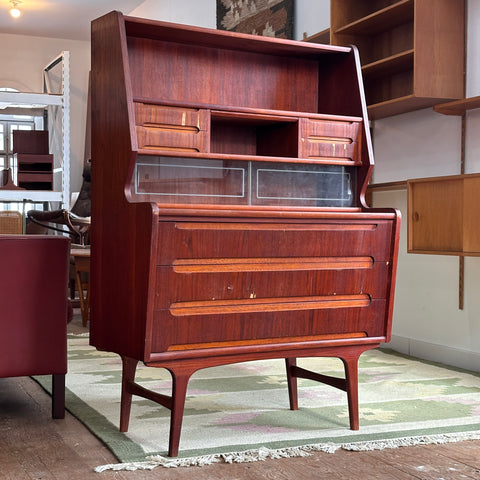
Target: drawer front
[
  {"x": 184, "y": 240},
  {"x": 238, "y": 284},
  {"x": 171, "y": 128},
  {"x": 322, "y": 139},
  {"x": 247, "y": 282},
  {"x": 174, "y": 332}
]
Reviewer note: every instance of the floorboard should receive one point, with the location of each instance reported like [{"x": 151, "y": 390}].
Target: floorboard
[{"x": 34, "y": 446}]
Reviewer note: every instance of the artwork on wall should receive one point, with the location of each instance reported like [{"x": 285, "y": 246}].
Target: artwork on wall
[{"x": 270, "y": 18}]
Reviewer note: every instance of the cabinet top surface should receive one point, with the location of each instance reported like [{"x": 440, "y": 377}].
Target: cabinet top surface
[{"x": 186, "y": 34}]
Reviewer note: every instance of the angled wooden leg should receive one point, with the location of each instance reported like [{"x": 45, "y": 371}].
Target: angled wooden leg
[
  {"x": 128, "y": 377},
  {"x": 351, "y": 379},
  {"x": 290, "y": 363},
  {"x": 58, "y": 396},
  {"x": 179, "y": 393}
]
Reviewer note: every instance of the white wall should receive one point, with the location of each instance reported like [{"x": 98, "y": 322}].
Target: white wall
[
  {"x": 310, "y": 17},
  {"x": 23, "y": 59},
  {"x": 190, "y": 12}
]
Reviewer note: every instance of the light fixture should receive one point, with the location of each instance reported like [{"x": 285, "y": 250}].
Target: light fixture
[{"x": 14, "y": 10}]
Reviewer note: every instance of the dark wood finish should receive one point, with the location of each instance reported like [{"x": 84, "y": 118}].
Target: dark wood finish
[
  {"x": 189, "y": 271},
  {"x": 30, "y": 141},
  {"x": 81, "y": 262}
]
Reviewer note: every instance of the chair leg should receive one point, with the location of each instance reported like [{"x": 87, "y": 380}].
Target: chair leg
[
  {"x": 58, "y": 395},
  {"x": 292, "y": 383}
]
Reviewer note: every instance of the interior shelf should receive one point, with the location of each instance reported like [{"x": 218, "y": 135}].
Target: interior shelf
[
  {"x": 380, "y": 20},
  {"x": 396, "y": 106},
  {"x": 386, "y": 66},
  {"x": 320, "y": 37}
]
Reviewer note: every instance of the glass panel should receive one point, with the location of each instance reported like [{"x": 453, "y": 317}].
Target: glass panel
[
  {"x": 184, "y": 180},
  {"x": 181, "y": 180},
  {"x": 309, "y": 185}
]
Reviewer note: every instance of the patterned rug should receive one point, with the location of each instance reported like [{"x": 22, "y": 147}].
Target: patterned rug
[{"x": 241, "y": 412}]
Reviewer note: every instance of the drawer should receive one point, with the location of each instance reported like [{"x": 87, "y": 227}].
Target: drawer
[
  {"x": 224, "y": 283},
  {"x": 234, "y": 283},
  {"x": 195, "y": 332},
  {"x": 171, "y": 128},
  {"x": 186, "y": 240},
  {"x": 333, "y": 140}
]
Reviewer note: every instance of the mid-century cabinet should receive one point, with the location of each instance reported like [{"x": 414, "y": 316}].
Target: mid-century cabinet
[
  {"x": 228, "y": 213},
  {"x": 412, "y": 51}
]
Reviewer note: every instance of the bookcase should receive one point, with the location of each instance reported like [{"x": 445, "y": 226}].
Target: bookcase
[
  {"x": 412, "y": 51},
  {"x": 228, "y": 214}
]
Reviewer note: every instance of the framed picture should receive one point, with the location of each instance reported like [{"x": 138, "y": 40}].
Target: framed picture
[{"x": 270, "y": 18}]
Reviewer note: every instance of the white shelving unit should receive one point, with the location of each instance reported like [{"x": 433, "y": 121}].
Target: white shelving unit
[{"x": 56, "y": 99}]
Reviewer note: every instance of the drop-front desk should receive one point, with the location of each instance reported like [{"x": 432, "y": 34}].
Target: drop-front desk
[{"x": 228, "y": 216}]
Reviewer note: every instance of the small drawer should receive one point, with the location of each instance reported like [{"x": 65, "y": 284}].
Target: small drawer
[
  {"x": 171, "y": 128},
  {"x": 333, "y": 140}
]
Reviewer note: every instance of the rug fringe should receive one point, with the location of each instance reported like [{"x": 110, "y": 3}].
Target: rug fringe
[{"x": 265, "y": 453}]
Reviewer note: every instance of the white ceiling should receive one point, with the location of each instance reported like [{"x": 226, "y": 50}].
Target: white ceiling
[{"x": 59, "y": 18}]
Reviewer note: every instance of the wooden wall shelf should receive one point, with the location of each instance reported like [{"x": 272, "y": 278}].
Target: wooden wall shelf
[
  {"x": 388, "y": 186},
  {"x": 411, "y": 50},
  {"x": 458, "y": 107}
]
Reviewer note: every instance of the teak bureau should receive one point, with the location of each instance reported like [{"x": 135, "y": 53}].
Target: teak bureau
[{"x": 228, "y": 214}]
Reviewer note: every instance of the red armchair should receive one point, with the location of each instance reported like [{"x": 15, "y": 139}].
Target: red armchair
[{"x": 33, "y": 310}]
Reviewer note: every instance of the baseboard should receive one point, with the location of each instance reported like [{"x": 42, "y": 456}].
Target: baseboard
[{"x": 436, "y": 353}]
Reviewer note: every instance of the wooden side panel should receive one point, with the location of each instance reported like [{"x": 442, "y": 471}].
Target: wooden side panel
[
  {"x": 121, "y": 233},
  {"x": 439, "y": 51}
]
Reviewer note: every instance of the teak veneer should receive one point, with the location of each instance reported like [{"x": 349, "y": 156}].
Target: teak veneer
[{"x": 228, "y": 214}]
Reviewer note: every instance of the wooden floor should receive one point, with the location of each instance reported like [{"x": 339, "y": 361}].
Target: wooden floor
[{"x": 33, "y": 446}]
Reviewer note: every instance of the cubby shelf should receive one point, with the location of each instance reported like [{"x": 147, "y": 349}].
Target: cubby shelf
[
  {"x": 380, "y": 20},
  {"x": 412, "y": 51}
]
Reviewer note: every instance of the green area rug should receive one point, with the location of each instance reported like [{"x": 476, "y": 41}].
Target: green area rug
[{"x": 241, "y": 412}]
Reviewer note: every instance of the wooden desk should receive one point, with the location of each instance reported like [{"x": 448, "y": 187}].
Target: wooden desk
[
  {"x": 228, "y": 201},
  {"x": 81, "y": 258}
]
